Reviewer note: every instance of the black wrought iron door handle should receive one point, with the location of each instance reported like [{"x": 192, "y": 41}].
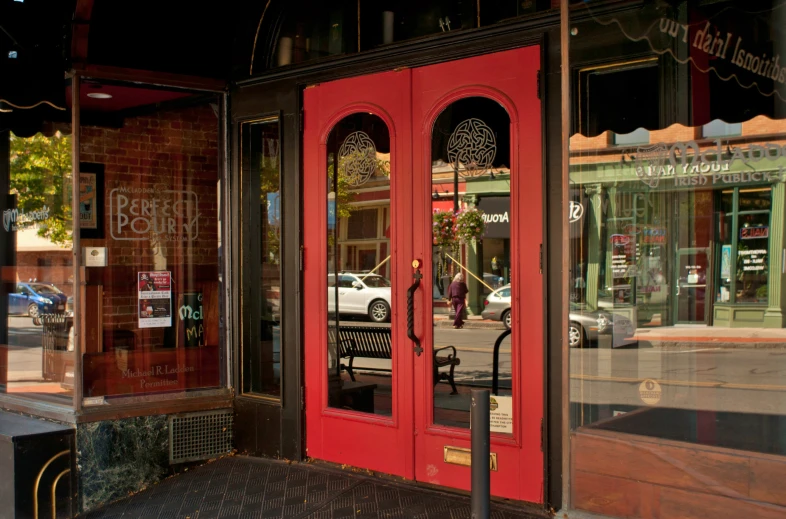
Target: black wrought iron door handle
[{"x": 411, "y": 312}]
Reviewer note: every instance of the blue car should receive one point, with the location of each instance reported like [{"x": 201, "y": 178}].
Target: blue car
[{"x": 34, "y": 299}]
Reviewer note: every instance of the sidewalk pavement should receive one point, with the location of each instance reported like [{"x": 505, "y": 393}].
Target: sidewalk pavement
[{"x": 256, "y": 488}]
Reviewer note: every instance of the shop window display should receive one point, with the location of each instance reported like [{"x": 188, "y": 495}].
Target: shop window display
[
  {"x": 150, "y": 235},
  {"x": 681, "y": 236}
]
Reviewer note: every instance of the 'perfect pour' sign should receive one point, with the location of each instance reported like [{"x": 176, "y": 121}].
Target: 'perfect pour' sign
[{"x": 138, "y": 213}]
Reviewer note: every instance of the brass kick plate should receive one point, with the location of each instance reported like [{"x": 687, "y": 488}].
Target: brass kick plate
[{"x": 460, "y": 456}]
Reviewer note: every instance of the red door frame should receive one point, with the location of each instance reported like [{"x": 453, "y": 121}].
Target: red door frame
[
  {"x": 510, "y": 78},
  {"x": 378, "y": 443},
  {"x": 392, "y": 445}
]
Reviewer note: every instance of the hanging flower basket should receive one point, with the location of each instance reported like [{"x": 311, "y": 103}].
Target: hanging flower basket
[
  {"x": 443, "y": 229},
  {"x": 469, "y": 225}
]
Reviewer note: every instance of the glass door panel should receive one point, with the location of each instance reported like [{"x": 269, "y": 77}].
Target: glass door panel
[
  {"x": 470, "y": 177},
  {"x": 360, "y": 356},
  {"x": 692, "y": 268}
]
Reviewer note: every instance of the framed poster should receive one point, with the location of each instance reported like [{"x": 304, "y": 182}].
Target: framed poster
[
  {"x": 154, "y": 294},
  {"x": 91, "y": 200}
]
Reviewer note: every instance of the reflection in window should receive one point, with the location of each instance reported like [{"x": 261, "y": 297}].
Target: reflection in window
[
  {"x": 743, "y": 225},
  {"x": 37, "y": 336},
  {"x": 693, "y": 381},
  {"x": 314, "y": 29},
  {"x": 360, "y": 350},
  {"x": 261, "y": 158},
  {"x": 629, "y": 88},
  {"x": 391, "y": 21},
  {"x": 152, "y": 309},
  {"x": 639, "y": 136},
  {"x": 718, "y": 128},
  {"x": 752, "y": 238},
  {"x": 495, "y": 11},
  {"x": 472, "y": 215}
]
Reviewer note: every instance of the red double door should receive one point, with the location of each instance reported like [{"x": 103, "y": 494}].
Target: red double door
[{"x": 388, "y": 158}]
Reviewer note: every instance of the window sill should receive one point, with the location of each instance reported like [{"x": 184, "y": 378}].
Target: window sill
[
  {"x": 37, "y": 408},
  {"x": 260, "y": 398},
  {"x": 198, "y": 401}
]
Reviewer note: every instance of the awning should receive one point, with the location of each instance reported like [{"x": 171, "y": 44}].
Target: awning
[
  {"x": 32, "y": 64},
  {"x": 33, "y": 98}
]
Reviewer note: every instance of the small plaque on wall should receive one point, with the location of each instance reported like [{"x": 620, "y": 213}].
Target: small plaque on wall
[{"x": 95, "y": 256}]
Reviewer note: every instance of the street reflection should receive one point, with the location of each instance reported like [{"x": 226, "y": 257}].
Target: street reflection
[
  {"x": 475, "y": 347},
  {"x": 728, "y": 385},
  {"x": 471, "y": 254}
]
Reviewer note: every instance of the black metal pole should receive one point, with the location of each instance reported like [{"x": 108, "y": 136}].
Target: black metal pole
[{"x": 481, "y": 454}]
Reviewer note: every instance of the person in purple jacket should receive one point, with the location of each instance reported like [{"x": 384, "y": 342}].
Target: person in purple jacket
[{"x": 457, "y": 292}]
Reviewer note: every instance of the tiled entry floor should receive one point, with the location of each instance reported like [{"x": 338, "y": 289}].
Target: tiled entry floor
[{"x": 253, "y": 488}]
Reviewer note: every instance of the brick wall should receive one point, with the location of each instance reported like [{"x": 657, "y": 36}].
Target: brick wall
[{"x": 146, "y": 159}]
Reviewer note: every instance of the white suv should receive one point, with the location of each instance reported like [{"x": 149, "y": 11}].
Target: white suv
[{"x": 363, "y": 294}]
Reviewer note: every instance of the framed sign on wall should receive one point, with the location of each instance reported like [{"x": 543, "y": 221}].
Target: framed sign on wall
[{"x": 91, "y": 200}]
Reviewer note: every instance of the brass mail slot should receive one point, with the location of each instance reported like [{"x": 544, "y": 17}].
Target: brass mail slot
[{"x": 460, "y": 456}]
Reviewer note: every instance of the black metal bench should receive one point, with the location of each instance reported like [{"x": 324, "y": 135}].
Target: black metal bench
[{"x": 374, "y": 343}]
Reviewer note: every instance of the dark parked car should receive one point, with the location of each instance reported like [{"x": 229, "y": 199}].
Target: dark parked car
[
  {"x": 584, "y": 326},
  {"x": 34, "y": 299}
]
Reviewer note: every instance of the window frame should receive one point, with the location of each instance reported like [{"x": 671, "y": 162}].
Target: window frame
[
  {"x": 250, "y": 272},
  {"x": 735, "y": 219}
]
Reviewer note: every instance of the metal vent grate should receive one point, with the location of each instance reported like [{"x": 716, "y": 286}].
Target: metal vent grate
[{"x": 199, "y": 436}]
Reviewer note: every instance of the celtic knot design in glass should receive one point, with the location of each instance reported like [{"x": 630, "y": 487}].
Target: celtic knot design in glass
[
  {"x": 474, "y": 146},
  {"x": 358, "y": 157}
]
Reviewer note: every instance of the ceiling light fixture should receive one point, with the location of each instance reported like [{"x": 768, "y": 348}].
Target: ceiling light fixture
[{"x": 99, "y": 95}]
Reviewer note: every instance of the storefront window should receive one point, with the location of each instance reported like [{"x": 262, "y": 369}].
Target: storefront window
[
  {"x": 36, "y": 300},
  {"x": 150, "y": 219},
  {"x": 677, "y": 258},
  {"x": 314, "y": 30},
  {"x": 752, "y": 230},
  {"x": 261, "y": 175}
]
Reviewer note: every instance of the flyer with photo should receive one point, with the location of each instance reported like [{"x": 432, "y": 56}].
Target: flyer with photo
[{"x": 154, "y": 291}]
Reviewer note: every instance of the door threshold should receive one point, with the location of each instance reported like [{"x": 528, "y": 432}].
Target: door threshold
[{"x": 534, "y": 510}]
